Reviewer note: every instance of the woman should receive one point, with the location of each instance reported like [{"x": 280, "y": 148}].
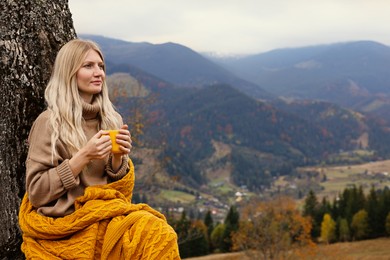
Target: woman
[{"x": 72, "y": 175}]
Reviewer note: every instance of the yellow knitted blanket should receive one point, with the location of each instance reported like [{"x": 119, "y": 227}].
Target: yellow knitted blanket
[{"x": 105, "y": 225}]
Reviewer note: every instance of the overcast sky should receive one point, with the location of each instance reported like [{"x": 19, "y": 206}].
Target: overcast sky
[{"x": 235, "y": 26}]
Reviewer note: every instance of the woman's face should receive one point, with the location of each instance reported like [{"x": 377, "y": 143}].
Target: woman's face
[{"x": 90, "y": 76}]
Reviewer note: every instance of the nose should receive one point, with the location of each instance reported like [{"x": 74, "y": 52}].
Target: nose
[{"x": 98, "y": 71}]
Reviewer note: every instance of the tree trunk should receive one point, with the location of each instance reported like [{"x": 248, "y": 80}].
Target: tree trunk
[{"x": 31, "y": 31}]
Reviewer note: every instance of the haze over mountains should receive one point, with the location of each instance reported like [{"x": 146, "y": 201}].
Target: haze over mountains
[
  {"x": 349, "y": 74},
  {"x": 352, "y": 74},
  {"x": 256, "y": 117}
]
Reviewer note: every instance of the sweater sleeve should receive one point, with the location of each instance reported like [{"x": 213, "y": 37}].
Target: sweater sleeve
[
  {"x": 121, "y": 172},
  {"x": 47, "y": 177}
]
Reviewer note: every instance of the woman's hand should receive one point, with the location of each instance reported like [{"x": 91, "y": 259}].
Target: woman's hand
[
  {"x": 98, "y": 147},
  {"x": 124, "y": 141}
]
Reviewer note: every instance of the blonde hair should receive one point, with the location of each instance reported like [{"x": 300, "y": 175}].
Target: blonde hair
[{"x": 65, "y": 103}]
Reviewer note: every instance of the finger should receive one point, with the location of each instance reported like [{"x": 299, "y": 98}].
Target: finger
[
  {"x": 101, "y": 133},
  {"x": 125, "y": 150},
  {"x": 104, "y": 139},
  {"x": 123, "y": 137},
  {"x": 124, "y": 132},
  {"x": 104, "y": 153},
  {"x": 125, "y": 143}
]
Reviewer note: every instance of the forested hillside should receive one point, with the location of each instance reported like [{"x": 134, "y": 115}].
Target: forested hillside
[
  {"x": 265, "y": 139},
  {"x": 211, "y": 135},
  {"x": 206, "y": 147}
]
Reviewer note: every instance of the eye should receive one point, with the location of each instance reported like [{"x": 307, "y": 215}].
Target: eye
[
  {"x": 87, "y": 65},
  {"x": 101, "y": 66}
]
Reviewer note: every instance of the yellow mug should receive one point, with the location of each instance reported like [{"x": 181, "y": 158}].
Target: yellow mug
[{"x": 115, "y": 145}]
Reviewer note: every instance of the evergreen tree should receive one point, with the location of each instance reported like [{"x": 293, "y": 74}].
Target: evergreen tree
[
  {"x": 335, "y": 208},
  {"x": 310, "y": 209},
  {"x": 231, "y": 225},
  {"x": 325, "y": 208},
  {"x": 208, "y": 221},
  {"x": 387, "y": 224},
  {"x": 351, "y": 201},
  {"x": 195, "y": 244},
  {"x": 182, "y": 227},
  {"x": 384, "y": 207},
  {"x": 373, "y": 210}
]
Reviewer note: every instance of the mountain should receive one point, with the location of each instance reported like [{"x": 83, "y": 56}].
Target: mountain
[
  {"x": 351, "y": 74},
  {"x": 215, "y": 141},
  {"x": 171, "y": 62},
  {"x": 260, "y": 140},
  {"x": 192, "y": 121},
  {"x": 198, "y": 134}
]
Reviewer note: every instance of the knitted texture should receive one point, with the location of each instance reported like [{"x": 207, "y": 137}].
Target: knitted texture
[{"x": 105, "y": 225}]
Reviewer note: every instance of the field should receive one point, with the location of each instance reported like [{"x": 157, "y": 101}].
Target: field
[
  {"x": 330, "y": 181},
  {"x": 376, "y": 249},
  {"x": 366, "y": 175}
]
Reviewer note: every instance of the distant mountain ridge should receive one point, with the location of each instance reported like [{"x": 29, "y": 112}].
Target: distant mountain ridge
[
  {"x": 173, "y": 63},
  {"x": 358, "y": 61},
  {"x": 351, "y": 74}
]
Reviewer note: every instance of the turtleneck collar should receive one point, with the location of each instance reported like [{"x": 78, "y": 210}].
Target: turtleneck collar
[{"x": 90, "y": 111}]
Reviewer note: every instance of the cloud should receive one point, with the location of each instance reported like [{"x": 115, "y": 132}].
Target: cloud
[{"x": 246, "y": 26}]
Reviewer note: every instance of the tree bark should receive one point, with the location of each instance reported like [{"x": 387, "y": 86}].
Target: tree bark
[{"x": 31, "y": 31}]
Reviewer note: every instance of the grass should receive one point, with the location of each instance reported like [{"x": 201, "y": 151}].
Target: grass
[
  {"x": 365, "y": 175},
  {"x": 377, "y": 249},
  {"x": 363, "y": 250},
  {"x": 176, "y": 196}
]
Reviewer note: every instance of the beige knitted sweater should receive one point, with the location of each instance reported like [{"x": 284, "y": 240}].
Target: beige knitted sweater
[{"x": 50, "y": 184}]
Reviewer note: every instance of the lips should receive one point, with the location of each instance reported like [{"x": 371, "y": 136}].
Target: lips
[{"x": 96, "y": 82}]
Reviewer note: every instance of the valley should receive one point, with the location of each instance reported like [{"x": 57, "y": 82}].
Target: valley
[
  {"x": 211, "y": 136},
  {"x": 170, "y": 195},
  {"x": 207, "y": 137}
]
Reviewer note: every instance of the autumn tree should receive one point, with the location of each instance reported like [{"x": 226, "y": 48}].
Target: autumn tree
[
  {"x": 31, "y": 33},
  {"x": 273, "y": 229},
  {"x": 359, "y": 225},
  {"x": 328, "y": 229},
  {"x": 216, "y": 236},
  {"x": 344, "y": 233}
]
